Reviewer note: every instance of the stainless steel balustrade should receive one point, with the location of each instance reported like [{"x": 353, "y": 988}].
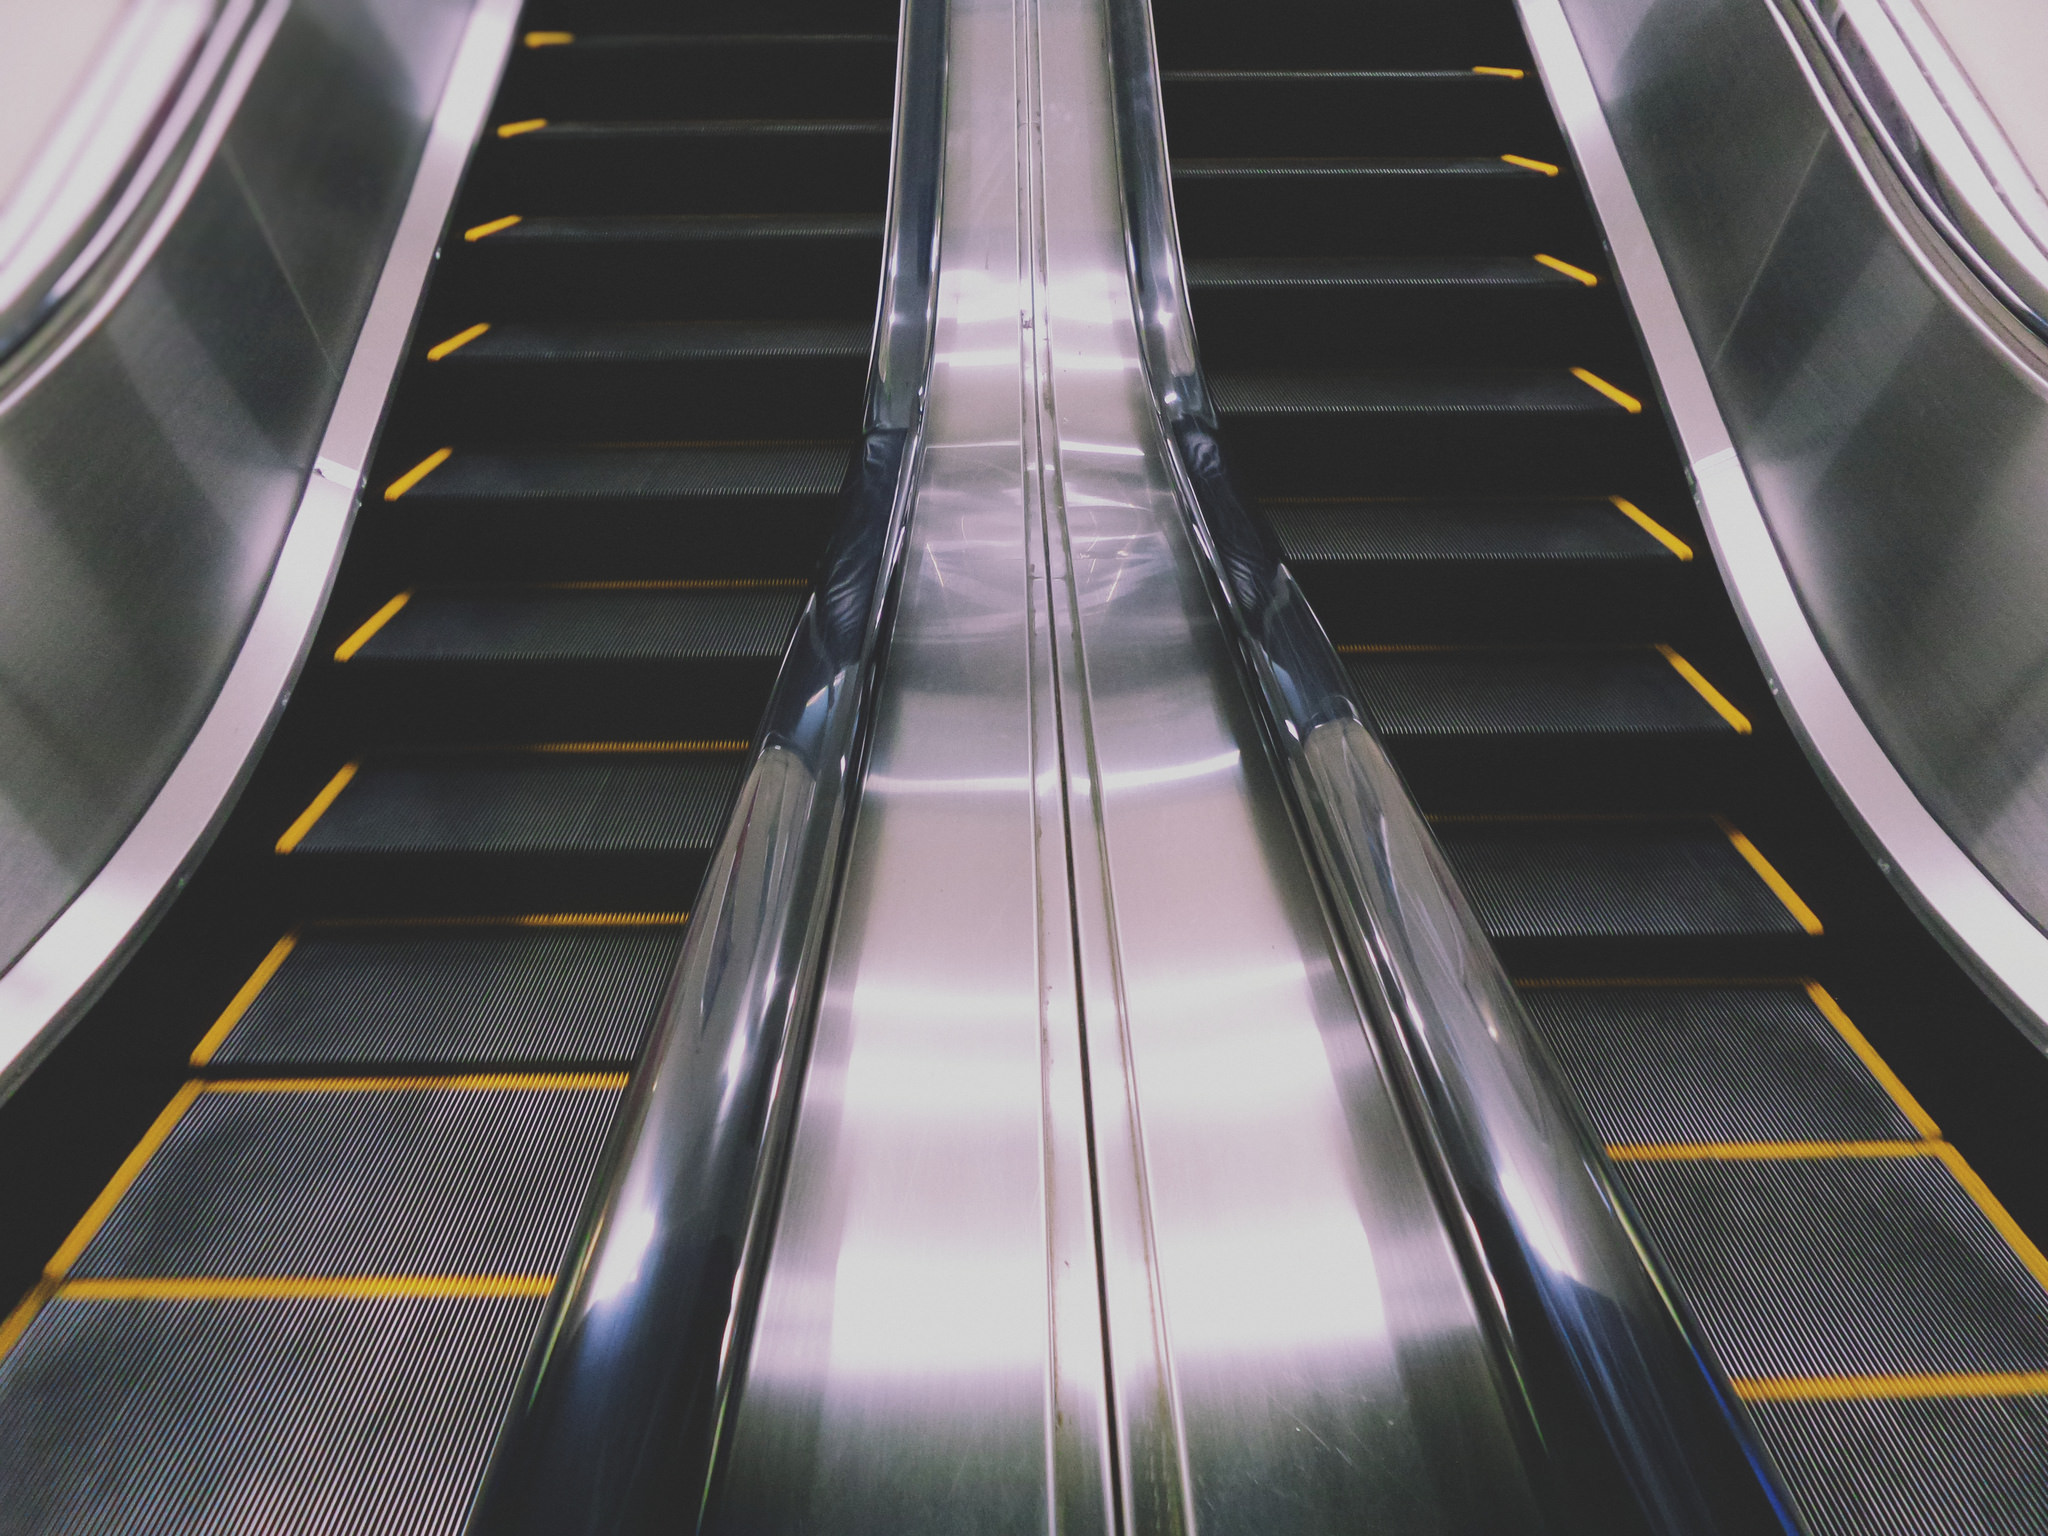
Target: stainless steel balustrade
[{"x": 1867, "y": 424}]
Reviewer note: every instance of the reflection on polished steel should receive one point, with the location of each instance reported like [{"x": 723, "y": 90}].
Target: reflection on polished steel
[
  {"x": 1868, "y": 430},
  {"x": 166, "y": 543},
  {"x": 1527, "y": 1182},
  {"x": 628, "y": 1394}
]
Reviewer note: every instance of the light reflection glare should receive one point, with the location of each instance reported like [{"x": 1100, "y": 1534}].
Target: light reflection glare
[
  {"x": 1258, "y": 1282},
  {"x": 619, "y": 1270}
]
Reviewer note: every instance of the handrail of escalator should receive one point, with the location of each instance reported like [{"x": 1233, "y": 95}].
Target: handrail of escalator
[
  {"x": 1889, "y": 63},
  {"x": 104, "y": 164},
  {"x": 616, "y": 1422},
  {"x": 1543, "y": 1227}
]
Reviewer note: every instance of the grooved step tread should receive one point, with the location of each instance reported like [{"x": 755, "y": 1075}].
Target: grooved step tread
[
  {"x": 711, "y": 129},
  {"x": 1370, "y": 531},
  {"x": 1524, "y": 692},
  {"x": 707, "y": 42},
  {"x": 457, "y": 998},
  {"x": 1354, "y": 168},
  {"x": 530, "y": 803},
  {"x": 1539, "y": 879},
  {"x": 536, "y": 342},
  {"x": 1434, "y": 76},
  {"x": 655, "y": 472},
  {"x": 1419, "y": 391},
  {"x": 587, "y": 624},
  {"x": 683, "y": 228},
  {"x": 1219, "y": 274}
]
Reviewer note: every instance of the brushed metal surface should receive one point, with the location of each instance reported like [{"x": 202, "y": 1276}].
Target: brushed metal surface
[{"x": 1868, "y": 429}]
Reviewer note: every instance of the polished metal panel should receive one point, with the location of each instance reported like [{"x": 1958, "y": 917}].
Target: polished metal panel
[
  {"x": 164, "y": 549},
  {"x": 632, "y": 1387},
  {"x": 1527, "y": 1185},
  {"x": 1868, "y": 431}
]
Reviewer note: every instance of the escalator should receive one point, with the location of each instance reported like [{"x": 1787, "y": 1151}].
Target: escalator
[
  {"x": 1426, "y": 381},
  {"x": 321, "y": 1151}
]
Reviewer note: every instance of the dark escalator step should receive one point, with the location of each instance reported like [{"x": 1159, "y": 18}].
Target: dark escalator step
[
  {"x": 1324, "y": 111},
  {"x": 650, "y": 660},
  {"x": 1470, "y": 205},
  {"x": 1551, "y": 729},
  {"x": 573, "y": 827},
  {"x": 1699, "y": 1064},
  {"x": 383, "y": 1408},
  {"x": 1680, "y": 896},
  {"x": 366, "y": 1177},
  {"x": 588, "y": 513},
  {"x": 1517, "y": 533},
  {"x": 1415, "y": 311},
  {"x": 711, "y": 16},
  {"x": 798, "y": 165},
  {"x": 620, "y": 380},
  {"x": 665, "y": 267},
  {"x": 582, "y": 74},
  {"x": 1411, "y": 34},
  {"x": 552, "y": 990},
  {"x": 1308, "y": 431}
]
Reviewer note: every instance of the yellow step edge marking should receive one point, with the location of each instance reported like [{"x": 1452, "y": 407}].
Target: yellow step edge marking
[
  {"x": 513, "y": 130},
  {"x": 637, "y": 746},
  {"x": 479, "y": 231},
  {"x": 2022, "y": 1246},
  {"x": 370, "y": 626},
  {"x": 1491, "y": 69},
  {"x": 1531, "y": 165},
  {"x": 1652, "y": 527},
  {"x": 24, "y": 1313},
  {"x": 202, "y": 1053},
  {"x": 1873, "y": 1063},
  {"x": 417, "y": 473},
  {"x": 1780, "y": 887},
  {"x": 1837, "y": 1389},
  {"x": 518, "y": 920},
  {"x": 549, "y": 39},
  {"x": 307, "y": 1287},
  {"x": 296, "y": 832},
  {"x": 1578, "y": 274},
  {"x": 97, "y": 1213},
  {"x": 1765, "y": 1151},
  {"x": 1620, "y": 397},
  {"x": 472, "y": 1082},
  {"x": 1706, "y": 690},
  {"x": 460, "y": 339}
]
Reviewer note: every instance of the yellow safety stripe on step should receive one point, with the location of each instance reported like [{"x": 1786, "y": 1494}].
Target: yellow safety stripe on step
[
  {"x": 230, "y": 1016},
  {"x": 369, "y": 627},
  {"x": 1652, "y": 527},
  {"x": 513, "y": 130},
  {"x": 296, "y": 832},
  {"x": 1780, "y": 887},
  {"x": 1578, "y": 274},
  {"x": 1620, "y": 397},
  {"x": 306, "y": 1287},
  {"x": 2001, "y": 1219},
  {"x": 1764, "y": 1151},
  {"x": 417, "y": 473},
  {"x": 1490, "y": 69},
  {"x": 1531, "y": 165},
  {"x": 549, "y": 39},
  {"x": 478, "y": 232},
  {"x": 1706, "y": 690},
  {"x": 1873, "y": 1063},
  {"x": 1839, "y": 1389},
  {"x": 460, "y": 339}
]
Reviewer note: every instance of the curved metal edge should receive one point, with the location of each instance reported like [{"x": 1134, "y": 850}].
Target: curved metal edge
[
  {"x": 618, "y": 1420},
  {"x": 1976, "y": 921},
  {"x": 1556, "y": 1253},
  {"x": 60, "y": 975}
]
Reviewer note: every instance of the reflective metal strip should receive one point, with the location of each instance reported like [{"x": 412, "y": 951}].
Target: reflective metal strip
[
  {"x": 1707, "y": 691},
  {"x": 230, "y": 1016},
  {"x": 1877, "y": 1066},
  {"x": 1811, "y": 1389},
  {"x": 1649, "y": 524},
  {"x": 1780, "y": 887},
  {"x": 1620, "y": 397},
  {"x": 296, "y": 832}
]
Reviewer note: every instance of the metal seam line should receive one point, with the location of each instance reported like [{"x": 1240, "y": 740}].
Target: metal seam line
[
  {"x": 1650, "y": 525},
  {"x": 1706, "y": 690}
]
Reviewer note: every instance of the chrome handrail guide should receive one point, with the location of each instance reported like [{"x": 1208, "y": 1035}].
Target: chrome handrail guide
[
  {"x": 617, "y": 1421},
  {"x": 1554, "y": 1251}
]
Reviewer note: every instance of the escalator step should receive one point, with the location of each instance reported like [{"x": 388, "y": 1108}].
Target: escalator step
[
  {"x": 1583, "y": 529},
  {"x": 1419, "y": 392},
  {"x": 286, "y": 1181},
  {"x": 1344, "y": 111},
  {"x": 592, "y": 623},
  {"x": 521, "y": 802},
  {"x": 348, "y": 1416},
  {"x": 652, "y": 74},
  {"x": 708, "y": 473},
  {"x": 1463, "y": 693},
  {"x": 1405, "y": 277},
  {"x": 1949, "y": 1465},
  {"x": 1571, "y": 878},
  {"x": 1674, "y": 1064},
  {"x": 544, "y": 344},
  {"x": 1341, "y": 169},
  {"x": 1833, "y": 1266},
  {"x": 349, "y": 998}
]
